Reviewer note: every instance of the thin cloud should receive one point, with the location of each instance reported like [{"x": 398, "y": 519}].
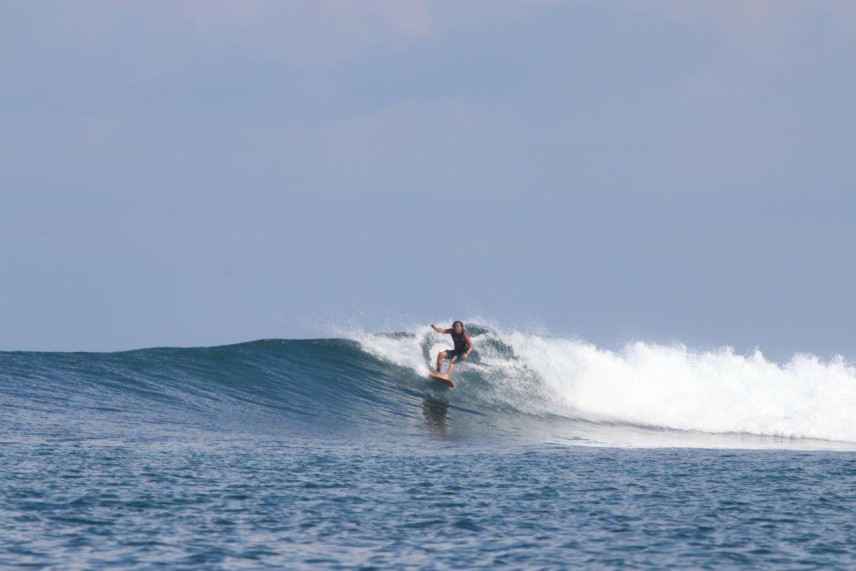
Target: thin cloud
[
  {"x": 772, "y": 25},
  {"x": 328, "y": 32}
]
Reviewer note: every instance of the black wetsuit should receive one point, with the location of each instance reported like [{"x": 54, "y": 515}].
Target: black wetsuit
[{"x": 461, "y": 345}]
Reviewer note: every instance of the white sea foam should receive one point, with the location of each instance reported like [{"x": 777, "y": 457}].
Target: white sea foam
[{"x": 646, "y": 384}]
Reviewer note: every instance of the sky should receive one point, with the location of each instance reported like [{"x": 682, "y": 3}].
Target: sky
[{"x": 207, "y": 172}]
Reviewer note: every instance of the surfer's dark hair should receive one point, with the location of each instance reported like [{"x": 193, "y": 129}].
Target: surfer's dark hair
[{"x": 455, "y": 323}]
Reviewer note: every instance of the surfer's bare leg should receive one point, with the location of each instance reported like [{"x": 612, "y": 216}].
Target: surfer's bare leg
[
  {"x": 451, "y": 367},
  {"x": 440, "y": 358}
]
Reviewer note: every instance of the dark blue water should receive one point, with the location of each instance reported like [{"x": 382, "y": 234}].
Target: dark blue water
[{"x": 308, "y": 454}]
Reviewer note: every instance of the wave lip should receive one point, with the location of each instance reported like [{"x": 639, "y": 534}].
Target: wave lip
[
  {"x": 374, "y": 386},
  {"x": 644, "y": 384}
]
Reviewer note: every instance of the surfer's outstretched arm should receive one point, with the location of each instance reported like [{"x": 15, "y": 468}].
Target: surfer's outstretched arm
[{"x": 440, "y": 329}]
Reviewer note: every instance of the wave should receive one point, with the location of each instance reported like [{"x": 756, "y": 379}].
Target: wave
[
  {"x": 374, "y": 386},
  {"x": 644, "y": 384}
]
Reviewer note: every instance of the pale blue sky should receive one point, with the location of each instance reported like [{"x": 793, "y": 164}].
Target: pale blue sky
[{"x": 204, "y": 172}]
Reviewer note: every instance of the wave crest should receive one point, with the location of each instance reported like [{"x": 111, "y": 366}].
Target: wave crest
[{"x": 644, "y": 384}]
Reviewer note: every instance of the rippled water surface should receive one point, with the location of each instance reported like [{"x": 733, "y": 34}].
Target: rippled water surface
[
  {"x": 269, "y": 503},
  {"x": 319, "y": 455}
]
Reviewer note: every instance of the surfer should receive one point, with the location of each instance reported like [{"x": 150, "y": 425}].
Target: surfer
[{"x": 462, "y": 350}]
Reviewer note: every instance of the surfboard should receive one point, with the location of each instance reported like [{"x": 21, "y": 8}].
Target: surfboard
[{"x": 442, "y": 378}]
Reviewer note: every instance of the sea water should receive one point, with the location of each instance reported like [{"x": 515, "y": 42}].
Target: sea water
[{"x": 339, "y": 453}]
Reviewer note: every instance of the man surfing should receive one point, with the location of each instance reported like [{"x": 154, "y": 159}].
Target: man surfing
[{"x": 462, "y": 350}]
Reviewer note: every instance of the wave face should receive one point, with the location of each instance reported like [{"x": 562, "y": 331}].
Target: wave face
[
  {"x": 373, "y": 386},
  {"x": 645, "y": 385}
]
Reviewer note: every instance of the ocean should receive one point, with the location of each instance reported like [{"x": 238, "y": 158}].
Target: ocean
[{"x": 339, "y": 453}]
